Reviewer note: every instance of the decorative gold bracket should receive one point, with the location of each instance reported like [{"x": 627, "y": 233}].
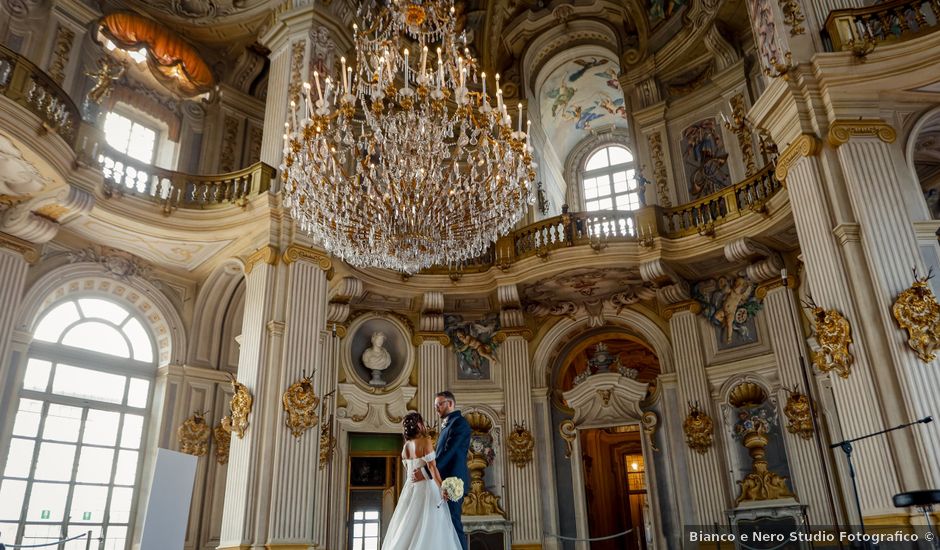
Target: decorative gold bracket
[
  {"x": 916, "y": 311},
  {"x": 300, "y": 403},
  {"x": 699, "y": 429}
]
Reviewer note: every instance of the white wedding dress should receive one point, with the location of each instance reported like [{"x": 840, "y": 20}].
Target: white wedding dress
[{"x": 418, "y": 523}]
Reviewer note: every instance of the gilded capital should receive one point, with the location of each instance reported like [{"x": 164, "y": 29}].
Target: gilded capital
[
  {"x": 807, "y": 145},
  {"x": 28, "y": 250},
  {"x": 764, "y": 288},
  {"x": 296, "y": 252},
  {"x": 687, "y": 305},
  {"x": 266, "y": 254},
  {"x": 505, "y": 333},
  {"x": 841, "y": 131},
  {"x": 423, "y": 336}
]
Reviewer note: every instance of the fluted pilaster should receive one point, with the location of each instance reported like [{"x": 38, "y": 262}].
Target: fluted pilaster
[
  {"x": 806, "y": 468},
  {"x": 708, "y": 488},
  {"x": 13, "y": 268},
  {"x": 432, "y": 376}
]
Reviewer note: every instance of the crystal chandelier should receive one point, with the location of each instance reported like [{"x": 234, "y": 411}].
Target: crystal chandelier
[{"x": 397, "y": 164}]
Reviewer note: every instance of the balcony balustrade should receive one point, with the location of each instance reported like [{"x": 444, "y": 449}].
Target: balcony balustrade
[{"x": 860, "y": 29}]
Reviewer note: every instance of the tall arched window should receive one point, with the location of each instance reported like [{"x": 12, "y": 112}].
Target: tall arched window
[
  {"x": 609, "y": 180},
  {"x": 74, "y": 458}
]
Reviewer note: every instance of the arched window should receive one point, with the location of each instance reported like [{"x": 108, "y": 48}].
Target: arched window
[
  {"x": 74, "y": 458},
  {"x": 609, "y": 180}
]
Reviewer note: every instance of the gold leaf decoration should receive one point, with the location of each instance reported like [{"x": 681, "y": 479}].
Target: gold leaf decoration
[
  {"x": 193, "y": 435},
  {"x": 223, "y": 440},
  {"x": 521, "y": 446},
  {"x": 240, "y": 405},
  {"x": 699, "y": 429},
  {"x": 799, "y": 414},
  {"x": 916, "y": 311},
  {"x": 300, "y": 402},
  {"x": 833, "y": 334},
  {"x": 327, "y": 444}
]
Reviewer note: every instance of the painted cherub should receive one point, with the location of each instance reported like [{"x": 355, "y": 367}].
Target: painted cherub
[
  {"x": 739, "y": 292},
  {"x": 471, "y": 343},
  {"x": 108, "y": 72}
]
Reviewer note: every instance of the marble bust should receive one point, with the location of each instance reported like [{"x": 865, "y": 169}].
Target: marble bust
[{"x": 376, "y": 358}]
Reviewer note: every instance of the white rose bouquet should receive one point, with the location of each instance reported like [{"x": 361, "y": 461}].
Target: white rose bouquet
[{"x": 453, "y": 486}]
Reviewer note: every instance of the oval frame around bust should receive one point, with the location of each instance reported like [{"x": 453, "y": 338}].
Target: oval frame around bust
[{"x": 397, "y": 343}]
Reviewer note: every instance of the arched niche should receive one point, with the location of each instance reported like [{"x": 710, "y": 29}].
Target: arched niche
[
  {"x": 217, "y": 312},
  {"x": 922, "y": 152}
]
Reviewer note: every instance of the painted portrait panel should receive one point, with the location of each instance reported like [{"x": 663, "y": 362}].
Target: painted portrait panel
[{"x": 704, "y": 158}]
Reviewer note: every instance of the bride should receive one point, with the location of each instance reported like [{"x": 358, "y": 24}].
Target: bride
[{"x": 419, "y": 523}]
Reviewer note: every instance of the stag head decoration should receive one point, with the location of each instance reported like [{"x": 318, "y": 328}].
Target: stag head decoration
[
  {"x": 699, "y": 429},
  {"x": 193, "y": 435},
  {"x": 300, "y": 403},
  {"x": 833, "y": 334},
  {"x": 799, "y": 411},
  {"x": 240, "y": 405},
  {"x": 916, "y": 311}
]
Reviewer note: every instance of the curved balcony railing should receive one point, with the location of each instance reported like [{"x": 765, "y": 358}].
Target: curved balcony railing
[
  {"x": 173, "y": 190},
  {"x": 861, "y": 29},
  {"x": 28, "y": 85}
]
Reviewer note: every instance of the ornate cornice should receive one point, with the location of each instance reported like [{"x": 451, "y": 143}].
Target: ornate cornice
[
  {"x": 296, "y": 252},
  {"x": 266, "y": 254},
  {"x": 504, "y": 333},
  {"x": 423, "y": 336},
  {"x": 807, "y": 145},
  {"x": 841, "y": 131},
  {"x": 28, "y": 250},
  {"x": 687, "y": 305}
]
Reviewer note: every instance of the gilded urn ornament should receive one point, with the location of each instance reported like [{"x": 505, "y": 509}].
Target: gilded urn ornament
[
  {"x": 916, "y": 311},
  {"x": 193, "y": 435},
  {"x": 833, "y": 334},
  {"x": 698, "y": 428},
  {"x": 478, "y": 501},
  {"x": 753, "y": 429},
  {"x": 300, "y": 403},
  {"x": 799, "y": 414},
  {"x": 223, "y": 440},
  {"x": 240, "y": 404},
  {"x": 520, "y": 445}
]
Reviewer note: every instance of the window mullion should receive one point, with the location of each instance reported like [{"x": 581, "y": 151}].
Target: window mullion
[
  {"x": 30, "y": 477},
  {"x": 106, "y": 518},
  {"x": 74, "y": 479}
]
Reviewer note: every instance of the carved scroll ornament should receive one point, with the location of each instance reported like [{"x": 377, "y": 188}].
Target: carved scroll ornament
[
  {"x": 569, "y": 433},
  {"x": 916, "y": 311},
  {"x": 521, "y": 446},
  {"x": 193, "y": 435},
  {"x": 699, "y": 429},
  {"x": 300, "y": 403},
  {"x": 241, "y": 403}
]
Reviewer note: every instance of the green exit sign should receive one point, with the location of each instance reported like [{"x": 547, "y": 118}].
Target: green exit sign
[
  {"x": 45, "y": 514},
  {"x": 86, "y": 516}
]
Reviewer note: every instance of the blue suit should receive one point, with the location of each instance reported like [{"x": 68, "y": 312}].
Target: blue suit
[{"x": 452, "y": 446}]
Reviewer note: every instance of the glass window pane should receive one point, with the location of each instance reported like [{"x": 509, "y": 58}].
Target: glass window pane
[
  {"x": 372, "y": 514},
  {"x": 101, "y": 427},
  {"x": 94, "y": 465},
  {"x": 38, "y": 534},
  {"x": 620, "y": 186},
  {"x": 47, "y": 502},
  {"x": 52, "y": 325},
  {"x": 619, "y": 155},
  {"x": 126, "y": 468},
  {"x": 357, "y": 544},
  {"x": 88, "y": 503},
  {"x": 590, "y": 191},
  {"x": 78, "y": 382},
  {"x": 37, "y": 375},
  {"x": 8, "y": 532},
  {"x": 11, "y": 499},
  {"x": 103, "y": 309},
  {"x": 97, "y": 336},
  {"x": 357, "y": 515},
  {"x": 357, "y": 530},
  {"x": 133, "y": 427},
  {"x": 55, "y": 461},
  {"x": 140, "y": 341},
  {"x": 631, "y": 178},
  {"x": 121, "y": 498},
  {"x": 371, "y": 544},
  {"x": 597, "y": 160},
  {"x": 605, "y": 204},
  {"x": 27, "y": 418},
  {"x": 592, "y": 206},
  {"x": 62, "y": 423},
  {"x": 115, "y": 538},
  {"x": 137, "y": 393},
  {"x": 117, "y": 131},
  {"x": 141, "y": 143},
  {"x": 372, "y": 529},
  {"x": 20, "y": 457}
]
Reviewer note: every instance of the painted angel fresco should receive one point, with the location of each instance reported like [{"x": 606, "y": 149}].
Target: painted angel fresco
[
  {"x": 729, "y": 304},
  {"x": 473, "y": 343}
]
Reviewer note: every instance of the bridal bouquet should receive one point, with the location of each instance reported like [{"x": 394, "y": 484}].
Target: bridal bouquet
[{"x": 453, "y": 486}]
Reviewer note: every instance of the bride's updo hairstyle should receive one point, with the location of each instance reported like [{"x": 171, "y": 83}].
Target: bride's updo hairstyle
[{"x": 410, "y": 427}]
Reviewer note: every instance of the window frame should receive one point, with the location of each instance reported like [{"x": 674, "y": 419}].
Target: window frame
[
  {"x": 609, "y": 171},
  {"x": 135, "y": 119},
  {"x": 57, "y": 354}
]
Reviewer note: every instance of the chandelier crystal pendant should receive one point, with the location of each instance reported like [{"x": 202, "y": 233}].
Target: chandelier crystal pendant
[{"x": 397, "y": 164}]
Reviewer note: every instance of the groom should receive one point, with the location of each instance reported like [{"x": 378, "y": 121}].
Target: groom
[{"x": 452, "y": 446}]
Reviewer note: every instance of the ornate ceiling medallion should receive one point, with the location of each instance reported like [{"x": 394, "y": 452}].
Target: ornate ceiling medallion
[
  {"x": 193, "y": 435},
  {"x": 241, "y": 403},
  {"x": 916, "y": 311},
  {"x": 300, "y": 402},
  {"x": 397, "y": 164}
]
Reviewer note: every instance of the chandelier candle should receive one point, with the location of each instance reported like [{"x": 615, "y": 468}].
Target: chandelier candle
[{"x": 403, "y": 168}]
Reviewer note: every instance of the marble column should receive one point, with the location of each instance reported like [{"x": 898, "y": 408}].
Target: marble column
[
  {"x": 524, "y": 500},
  {"x": 709, "y": 490},
  {"x": 828, "y": 277},
  {"x": 15, "y": 257},
  {"x": 871, "y": 165},
  {"x": 432, "y": 354},
  {"x": 806, "y": 468}
]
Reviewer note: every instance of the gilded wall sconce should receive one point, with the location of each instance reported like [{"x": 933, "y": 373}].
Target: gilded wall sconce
[
  {"x": 223, "y": 441},
  {"x": 193, "y": 435},
  {"x": 240, "y": 405},
  {"x": 833, "y": 334},
  {"x": 916, "y": 311},
  {"x": 699, "y": 429},
  {"x": 521, "y": 446},
  {"x": 300, "y": 403},
  {"x": 799, "y": 414},
  {"x": 778, "y": 69}
]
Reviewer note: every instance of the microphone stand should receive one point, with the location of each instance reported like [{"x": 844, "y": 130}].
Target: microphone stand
[{"x": 846, "y": 447}]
